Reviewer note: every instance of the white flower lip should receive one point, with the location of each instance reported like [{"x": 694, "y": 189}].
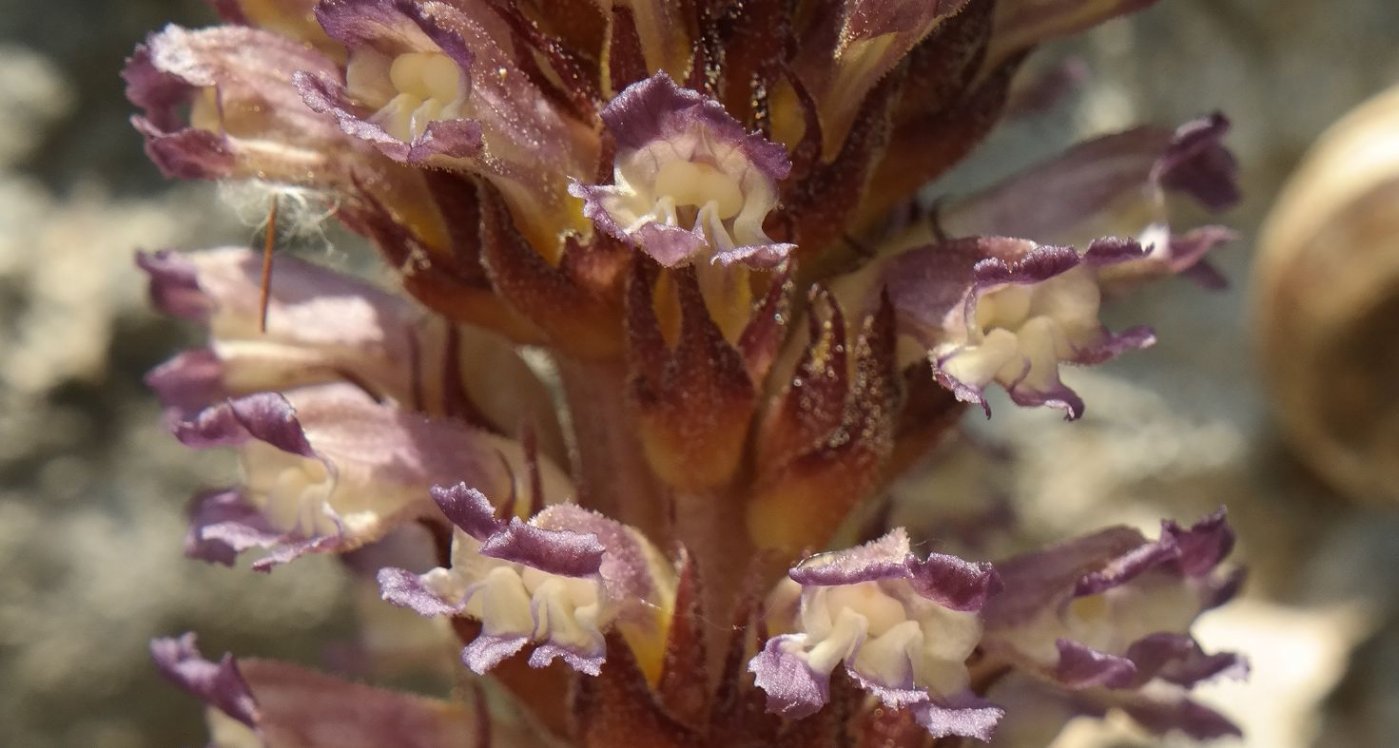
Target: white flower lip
[{"x": 409, "y": 91}]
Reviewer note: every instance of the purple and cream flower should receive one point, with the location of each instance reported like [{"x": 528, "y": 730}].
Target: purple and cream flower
[
  {"x": 900, "y": 626},
  {"x": 1113, "y": 609},
  {"x": 322, "y": 327},
  {"x": 688, "y": 181},
  {"x": 214, "y": 108},
  {"x": 1010, "y": 312},
  {"x": 558, "y": 582},
  {"x": 408, "y": 73},
  {"x": 441, "y": 85},
  {"x": 1120, "y": 185},
  {"x": 327, "y": 468}
]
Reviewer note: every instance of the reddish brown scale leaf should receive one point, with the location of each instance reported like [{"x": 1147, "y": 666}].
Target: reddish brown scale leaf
[
  {"x": 816, "y": 33},
  {"x": 814, "y": 402},
  {"x": 924, "y": 147},
  {"x": 530, "y": 443},
  {"x": 694, "y": 415},
  {"x": 575, "y": 320},
  {"x": 607, "y": 153},
  {"x": 807, "y": 153},
  {"x": 580, "y": 25},
  {"x": 578, "y": 76},
  {"x": 436, "y": 278},
  {"x": 942, "y": 66},
  {"x": 707, "y": 62},
  {"x": 467, "y": 304},
  {"x": 600, "y": 266},
  {"x": 820, "y": 205},
  {"x": 269, "y": 243},
  {"x": 701, "y": 341},
  {"x": 457, "y": 199},
  {"x": 626, "y": 64},
  {"x": 756, "y": 39},
  {"x": 876, "y": 391},
  {"x": 801, "y": 504},
  {"x": 764, "y": 334},
  {"x": 617, "y": 709},
  {"x": 507, "y": 508},
  {"x": 646, "y": 346},
  {"x": 683, "y": 687}
]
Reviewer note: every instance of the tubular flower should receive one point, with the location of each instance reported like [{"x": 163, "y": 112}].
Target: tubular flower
[
  {"x": 1117, "y": 184},
  {"x": 687, "y": 179},
  {"x": 558, "y": 582},
  {"x": 1010, "y": 312},
  {"x": 405, "y": 68},
  {"x": 327, "y": 468},
  {"x": 323, "y": 327},
  {"x": 1112, "y": 611},
  {"x": 658, "y": 338},
  {"x": 901, "y": 626}
]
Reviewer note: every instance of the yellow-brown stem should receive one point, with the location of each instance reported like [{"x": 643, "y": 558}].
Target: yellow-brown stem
[
  {"x": 710, "y": 527},
  {"x": 610, "y": 467}
]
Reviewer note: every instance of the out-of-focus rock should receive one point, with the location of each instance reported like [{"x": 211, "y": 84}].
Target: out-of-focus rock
[
  {"x": 1327, "y": 303},
  {"x": 36, "y": 95}
]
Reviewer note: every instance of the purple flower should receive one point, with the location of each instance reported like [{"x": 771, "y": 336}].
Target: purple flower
[
  {"x": 1117, "y": 184},
  {"x": 994, "y": 309},
  {"x": 324, "y": 327},
  {"x": 220, "y": 684},
  {"x": 901, "y": 626},
  {"x": 431, "y": 84},
  {"x": 558, "y": 582},
  {"x": 1113, "y": 609},
  {"x": 688, "y": 181},
  {"x": 244, "y": 117},
  {"x": 409, "y": 70},
  {"x": 321, "y": 327},
  {"x": 267, "y": 703},
  {"x": 328, "y": 468}
]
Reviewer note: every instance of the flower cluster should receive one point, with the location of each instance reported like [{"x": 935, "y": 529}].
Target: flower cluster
[{"x": 664, "y": 528}]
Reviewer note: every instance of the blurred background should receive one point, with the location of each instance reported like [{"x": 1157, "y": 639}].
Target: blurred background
[{"x": 92, "y": 490}]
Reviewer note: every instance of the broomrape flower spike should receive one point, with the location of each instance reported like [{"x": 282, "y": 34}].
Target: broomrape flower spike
[{"x": 695, "y": 215}]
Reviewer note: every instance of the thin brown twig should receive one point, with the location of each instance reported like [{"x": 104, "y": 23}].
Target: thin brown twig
[{"x": 269, "y": 243}]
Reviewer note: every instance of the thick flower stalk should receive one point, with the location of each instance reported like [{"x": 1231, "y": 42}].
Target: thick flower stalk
[{"x": 666, "y": 527}]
